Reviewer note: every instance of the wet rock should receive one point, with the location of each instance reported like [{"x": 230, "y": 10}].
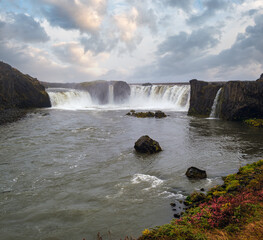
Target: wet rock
[
  {"x": 160, "y": 114},
  {"x": 157, "y": 114},
  {"x": 195, "y": 173},
  {"x": 147, "y": 145}
]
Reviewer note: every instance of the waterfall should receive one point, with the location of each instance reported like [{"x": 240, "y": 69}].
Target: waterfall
[
  {"x": 69, "y": 98},
  {"x": 154, "y": 97},
  {"x": 111, "y": 94},
  {"x": 173, "y": 97},
  {"x": 214, "y": 112}
]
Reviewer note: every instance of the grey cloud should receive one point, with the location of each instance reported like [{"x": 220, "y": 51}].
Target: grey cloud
[
  {"x": 84, "y": 15},
  {"x": 185, "y": 54},
  {"x": 185, "y": 5},
  {"x": 183, "y": 45},
  {"x": 22, "y": 28},
  {"x": 41, "y": 68},
  {"x": 248, "y": 48},
  {"x": 97, "y": 44},
  {"x": 211, "y": 8}
]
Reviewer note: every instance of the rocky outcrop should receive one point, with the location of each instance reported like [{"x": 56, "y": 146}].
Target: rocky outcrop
[
  {"x": 147, "y": 145},
  {"x": 238, "y": 100},
  {"x": 121, "y": 91},
  {"x": 100, "y": 90},
  {"x": 18, "y": 90},
  {"x": 157, "y": 114},
  {"x": 195, "y": 173},
  {"x": 202, "y": 97},
  {"x": 241, "y": 100},
  {"x": 261, "y": 78}
]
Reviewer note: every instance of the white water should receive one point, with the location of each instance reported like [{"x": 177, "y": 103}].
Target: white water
[
  {"x": 165, "y": 97},
  {"x": 214, "y": 113}
]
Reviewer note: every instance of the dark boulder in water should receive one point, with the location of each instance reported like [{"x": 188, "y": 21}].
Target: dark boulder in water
[
  {"x": 18, "y": 90},
  {"x": 147, "y": 145},
  {"x": 195, "y": 173}
]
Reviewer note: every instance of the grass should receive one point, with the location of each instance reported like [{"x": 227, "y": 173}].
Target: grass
[
  {"x": 233, "y": 210},
  {"x": 254, "y": 122}
]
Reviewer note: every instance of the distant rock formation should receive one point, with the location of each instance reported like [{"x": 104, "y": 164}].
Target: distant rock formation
[
  {"x": 18, "y": 90},
  {"x": 147, "y": 145},
  {"x": 100, "y": 90},
  {"x": 261, "y": 78},
  {"x": 238, "y": 100},
  {"x": 121, "y": 90}
]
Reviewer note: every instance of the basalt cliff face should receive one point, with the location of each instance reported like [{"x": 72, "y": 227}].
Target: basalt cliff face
[
  {"x": 202, "y": 97},
  {"x": 238, "y": 100},
  {"x": 18, "y": 90},
  {"x": 241, "y": 100}
]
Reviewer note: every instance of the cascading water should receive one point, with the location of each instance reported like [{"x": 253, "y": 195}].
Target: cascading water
[
  {"x": 214, "y": 112},
  {"x": 111, "y": 94},
  {"x": 154, "y": 97},
  {"x": 69, "y": 98}
]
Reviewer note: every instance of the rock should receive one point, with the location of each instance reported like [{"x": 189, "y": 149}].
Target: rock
[
  {"x": 241, "y": 100},
  {"x": 147, "y": 145},
  {"x": 261, "y": 78},
  {"x": 121, "y": 91},
  {"x": 20, "y": 91},
  {"x": 99, "y": 90},
  {"x": 202, "y": 97},
  {"x": 146, "y": 84},
  {"x": 160, "y": 114},
  {"x": 157, "y": 114},
  {"x": 195, "y": 173}
]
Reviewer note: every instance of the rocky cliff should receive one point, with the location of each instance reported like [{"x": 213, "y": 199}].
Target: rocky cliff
[
  {"x": 202, "y": 97},
  {"x": 238, "y": 100},
  {"x": 241, "y": 100},
  {"x": 18, "y": 90}
]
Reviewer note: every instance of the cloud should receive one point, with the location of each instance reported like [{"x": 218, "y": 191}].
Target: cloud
[
  {"x": 185, "y": 5},
  {"x": 188, "y": 54},
  {"x": 38, "y": 63},
  {"x": 211, "y": 8},
  {"x": 22, "y": 27},
  {"x": 86, "y": 16},
  {"x": 247, "y": 49}
]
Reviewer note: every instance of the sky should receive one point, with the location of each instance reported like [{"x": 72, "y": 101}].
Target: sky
[{"x": 133, "y": 40}]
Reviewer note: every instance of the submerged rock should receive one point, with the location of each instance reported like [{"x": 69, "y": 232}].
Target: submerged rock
[
  {"x": 195, "y": 173},
  {"x": 147, "y": 145}
]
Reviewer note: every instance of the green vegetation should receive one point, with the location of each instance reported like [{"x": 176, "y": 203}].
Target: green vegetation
[
  {"x": 254, "y": 122},
  {"x": 233, "y": 210}
]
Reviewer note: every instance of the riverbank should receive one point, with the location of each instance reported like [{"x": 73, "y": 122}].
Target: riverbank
[
  {"x": 233, "y": 210},
  {"x": 11, "y": 115}
]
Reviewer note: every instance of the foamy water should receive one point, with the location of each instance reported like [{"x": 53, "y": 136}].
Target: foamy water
[{"x": 163, "y": 97}]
